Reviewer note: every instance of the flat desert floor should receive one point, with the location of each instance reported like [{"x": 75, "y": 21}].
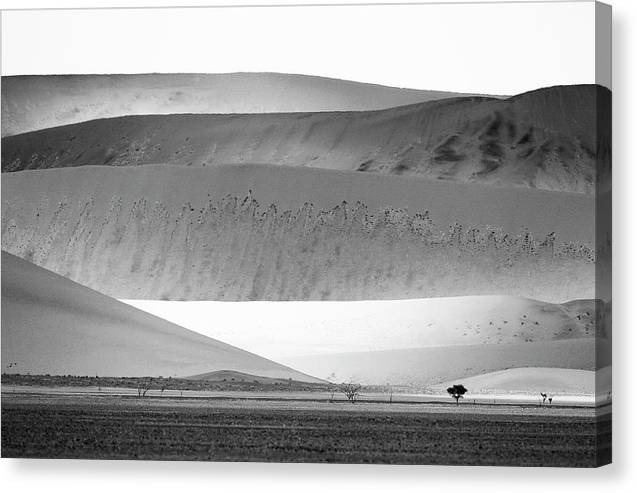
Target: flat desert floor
[{"x": 229, "y": 429}]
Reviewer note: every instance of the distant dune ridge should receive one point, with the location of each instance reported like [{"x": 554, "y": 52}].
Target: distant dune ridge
[
  {"x": 34, "y": 102},
  {"x": 51, "y": 325},
  {"x": 237, "y": 376},
  {"x": 555, "y": 138}
]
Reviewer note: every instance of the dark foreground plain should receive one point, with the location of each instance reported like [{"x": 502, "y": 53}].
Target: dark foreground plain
[{"x": 231, "y": 430}]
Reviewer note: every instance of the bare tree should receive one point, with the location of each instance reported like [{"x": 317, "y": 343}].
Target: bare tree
[
  {"x": 143, "y": 386},
  {"x": 350, "y": 390},
  {"x": 162, "y": 385},
  {"x": 457, "y": 392},
  {"x": 544, "y": 396}
]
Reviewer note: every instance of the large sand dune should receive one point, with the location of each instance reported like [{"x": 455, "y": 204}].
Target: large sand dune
[
  {"x": 288, "y": 329},
  {"x": 550, "y": 381},
  {"x": 34, "y": 102},
  {"x": 166, "y": 232},
  {"x": 433, "y": 365},
  {"x": 569, "y": 215},
  {"x": 556, "y": 138},
  {"x": 55, "y": 326},
  {"x": 413, "y": 342}
]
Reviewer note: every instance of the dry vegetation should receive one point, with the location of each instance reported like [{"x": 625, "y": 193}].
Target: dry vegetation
[
  {"x": 238, "y": 249},
  {"x": 154, "y": 384}
]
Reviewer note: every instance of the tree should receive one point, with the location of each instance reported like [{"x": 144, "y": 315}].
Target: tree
[
  {"x": 457, "y": 392},
  {"x": 544, "y": 396},
  {"x": 350, "y": 390},
  {"x": 144, "y": 386}
]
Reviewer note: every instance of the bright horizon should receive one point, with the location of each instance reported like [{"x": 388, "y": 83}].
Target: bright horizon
[{"x": 470, "y": 48}]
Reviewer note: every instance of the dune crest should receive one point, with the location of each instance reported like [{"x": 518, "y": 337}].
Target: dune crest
[
  {"x": 553, "y": 138},
  {"x": 54, "y": 100}
]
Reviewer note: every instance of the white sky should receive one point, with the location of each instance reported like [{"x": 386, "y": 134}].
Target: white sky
[{"x": 483, "y": 48}]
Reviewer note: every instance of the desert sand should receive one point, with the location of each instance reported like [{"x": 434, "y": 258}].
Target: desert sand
[
  {"x": 289, "y": 187},
  {"x": 289, "y": 329},
  {"x": 51, "y": 325},
  {"x": 236, "y": 376},
  {"x": 544, "y": 139},
  {"x": 412, "y": 342},
  {"x": 432, "y": 365},
  {"x": 550, "y": 381},
  {"x": 55, "y": 100},
  {"x": 250, "y": 233},
  {"x": 290, "y": 193}
]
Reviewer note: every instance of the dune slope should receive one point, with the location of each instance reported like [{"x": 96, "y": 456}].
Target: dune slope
[
  {"x": 250, "y": 233},
  {"x": 434, "y": 365},
  {"x": 556, "y": 138},
  {"x": 236, "y": 376},
  {"x": 34, "y": 102},
  {"x": 528, "y": 380},
  {"x": 287, "y": 329},
  {"x": 53, "y": 325}
]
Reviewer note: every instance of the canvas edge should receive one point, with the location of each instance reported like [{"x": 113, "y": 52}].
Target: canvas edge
[{"x": 603, "y": 208}]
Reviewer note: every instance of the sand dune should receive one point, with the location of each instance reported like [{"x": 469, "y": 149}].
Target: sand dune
[
  {"x": 547, "y": 380},
  {"x": 434, "y": 365},
  {"x": 412, "y": 342},
  {"x": 236, "y": 376},
  {"x": 288, "y": 329},
  {"x": 55, "y": 326},
  {"x": 35, "y": 102},
  {"x": 548, "y": 139},
  {"x": 539, "y": 211},
  {"x": 166, "y": 232}
]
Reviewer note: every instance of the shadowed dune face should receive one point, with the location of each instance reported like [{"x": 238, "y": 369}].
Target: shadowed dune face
[
  {"x": 35, "y": 102},
  {"x": 51, "y": 325},
  {"x": 163, "y": 232},
  {"x": 552, "y": 138}
]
